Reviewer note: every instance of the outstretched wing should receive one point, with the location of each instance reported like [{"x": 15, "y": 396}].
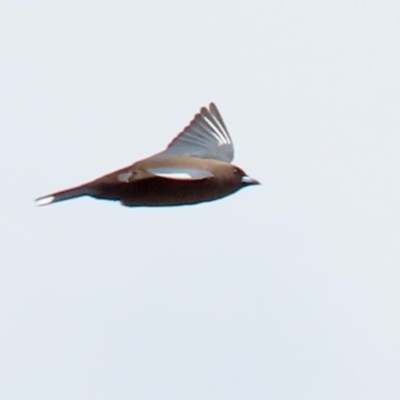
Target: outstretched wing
[{"x": 206, "y": 137}]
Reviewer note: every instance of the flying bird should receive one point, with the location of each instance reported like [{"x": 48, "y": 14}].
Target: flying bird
[{"x": 194, "y": 168}]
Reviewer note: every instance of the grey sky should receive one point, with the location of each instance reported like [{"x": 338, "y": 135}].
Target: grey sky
[{"x": 289, "y": 290}]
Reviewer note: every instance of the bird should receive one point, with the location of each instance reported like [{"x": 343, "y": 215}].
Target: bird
[{"x": 194, "y": 168}]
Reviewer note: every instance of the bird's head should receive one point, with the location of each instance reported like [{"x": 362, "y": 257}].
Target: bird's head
[{"x": 243, "y": 178}]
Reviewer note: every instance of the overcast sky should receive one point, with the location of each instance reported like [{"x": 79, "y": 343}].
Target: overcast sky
[{"x": 289, "y": 290}]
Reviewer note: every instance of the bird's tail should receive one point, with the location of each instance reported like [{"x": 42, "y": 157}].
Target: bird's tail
[{"x": 62, "y": 195}]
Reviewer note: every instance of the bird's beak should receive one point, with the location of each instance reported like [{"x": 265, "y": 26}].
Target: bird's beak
[{"x": 247, "y": 181}]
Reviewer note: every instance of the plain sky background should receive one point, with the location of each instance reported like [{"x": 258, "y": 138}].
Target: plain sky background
[{"x": 289, "y": 290}]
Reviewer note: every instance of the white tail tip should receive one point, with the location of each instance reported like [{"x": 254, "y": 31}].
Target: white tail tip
[{"x": 44, "y": 201}]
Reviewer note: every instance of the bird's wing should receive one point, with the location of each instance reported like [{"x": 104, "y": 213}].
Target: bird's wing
[
  {"x": 181, "y": 173},
  {"x": 206, "y": 137}
]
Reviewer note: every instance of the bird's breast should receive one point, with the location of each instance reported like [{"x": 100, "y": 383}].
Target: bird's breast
[{"x": 159, "y": 191}]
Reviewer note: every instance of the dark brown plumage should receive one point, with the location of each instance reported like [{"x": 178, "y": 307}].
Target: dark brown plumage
[{"x": 195, "y": 167}]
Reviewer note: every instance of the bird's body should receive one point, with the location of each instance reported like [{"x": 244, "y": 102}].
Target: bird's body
[{"x": 194, "y": 168}]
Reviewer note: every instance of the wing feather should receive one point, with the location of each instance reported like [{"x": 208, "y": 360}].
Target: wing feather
[{"x": 206, "y": 137}]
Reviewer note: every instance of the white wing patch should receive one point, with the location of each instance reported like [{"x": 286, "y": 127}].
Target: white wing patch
[
  {"x": 124, "y": 177},
  {"x": 187, "y": 174}
]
